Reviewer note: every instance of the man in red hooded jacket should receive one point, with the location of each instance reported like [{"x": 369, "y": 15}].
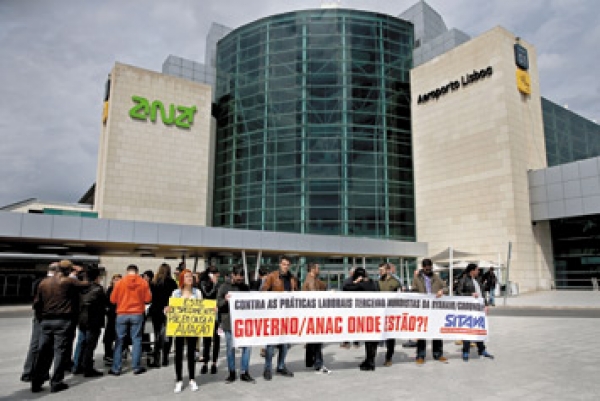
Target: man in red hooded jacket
[{"x": 130, "y": 294}]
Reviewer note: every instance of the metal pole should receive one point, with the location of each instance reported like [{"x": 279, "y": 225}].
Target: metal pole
[
  {"x": 364, "y": 262},
  {"x": 402, "y": 271},
  {"x": 257, "y": 265},
  {"x": 507, "y": 269},
  {"x": 195, "y": 263},
  {"x": 245, "y": 266}
]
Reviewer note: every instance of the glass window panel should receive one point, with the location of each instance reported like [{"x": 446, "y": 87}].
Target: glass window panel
[
  {"x": 324, "y": 213},
  {"x": 287, "y": 214},
  {"x": 323, "y": 171},
  {"x": 324, "y": 200}
]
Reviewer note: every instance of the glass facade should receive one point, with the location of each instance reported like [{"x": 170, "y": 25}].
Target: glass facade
[
  {"x": 569, "y": 137},
  {"x": 576, "y": 246},
  {"x": 313, "y": 125}
]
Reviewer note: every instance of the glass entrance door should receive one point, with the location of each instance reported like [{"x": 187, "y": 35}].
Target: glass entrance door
[{"x": 334, "y": 280}]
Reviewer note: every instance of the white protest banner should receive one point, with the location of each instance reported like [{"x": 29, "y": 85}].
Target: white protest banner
[{"x": 260, "y": 318}]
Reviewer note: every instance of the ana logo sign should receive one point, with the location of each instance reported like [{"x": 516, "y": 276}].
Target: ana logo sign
[{"x": 144, "y": 109}]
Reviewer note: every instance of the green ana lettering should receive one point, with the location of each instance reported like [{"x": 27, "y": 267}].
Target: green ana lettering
[{"x": 143, "y": 109}]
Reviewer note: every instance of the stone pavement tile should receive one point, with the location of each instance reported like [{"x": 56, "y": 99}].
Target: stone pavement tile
[
  {"x": 553, "y": 299},
  {"x": 536, "y": 358}
]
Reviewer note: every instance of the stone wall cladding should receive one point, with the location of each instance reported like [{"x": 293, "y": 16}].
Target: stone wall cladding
[
  {"x": 147, "y": 170},
  {"x": 472, "y": 150}
]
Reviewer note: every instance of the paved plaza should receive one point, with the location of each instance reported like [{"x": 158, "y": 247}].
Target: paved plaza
[{"x": 537, "y": 357}]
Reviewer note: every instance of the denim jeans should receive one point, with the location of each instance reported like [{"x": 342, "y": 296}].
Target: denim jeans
[
  {"x": 492, "y": 300},
  {"x": 245, "y": 363},
  {"x": 78, "y": 350},
  {"x": 134, "y": 325},
  {"x": 283, "y": 348},
  {"x": 467, "y": 347}
]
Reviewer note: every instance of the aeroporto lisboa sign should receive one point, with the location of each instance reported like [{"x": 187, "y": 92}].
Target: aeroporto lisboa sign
[
  {"x": 465, "y": 80},
  {"x": 181, "y": 116}
]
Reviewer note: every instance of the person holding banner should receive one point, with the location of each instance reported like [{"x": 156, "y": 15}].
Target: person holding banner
[
  {"x": 470, "y": 285},
  {"x": 427, "y": 282},
  {"x": 209, "y": 287},
  {"x": 388, "y": 283},
  {"x": 186, "y": 290},
  {"x": 280, "y": 280},
  {"x": 314, "y": 351},
  {"x": 348, "y": 280},
  {"x": 235, "y": 284},
  {"x": 362, "y": 282}
]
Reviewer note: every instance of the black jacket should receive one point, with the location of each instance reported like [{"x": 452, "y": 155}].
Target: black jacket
[
  {"x": 466, "y": 288},
  {"x": 223, "y": 304},
  {"x": 92, "y": 307},
  {"x": 111, "y": 309},
  {"x": 490, "y": 280},
  {"x": 256, "y": 284},
  {"x": 161, "y": 292},
  {"x": 365, "y": 285},
  {"x": 209, "y": 289}
]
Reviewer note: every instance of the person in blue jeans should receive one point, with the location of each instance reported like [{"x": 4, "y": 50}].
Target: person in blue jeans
[
  {"x": 468, "y": 286},
  {"x": 77, "y": 369},
  {"x": 130, "y": 294},
  {"x": 235, "y": 284},
  {"x": 489, "y": 283},
  {"x": 279, "y": 281}
]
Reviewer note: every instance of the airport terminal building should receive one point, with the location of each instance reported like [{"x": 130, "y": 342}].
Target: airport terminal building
[{"x": 341, "y": 136}]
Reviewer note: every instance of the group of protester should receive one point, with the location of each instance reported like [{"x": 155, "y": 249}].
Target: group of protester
[{"x": 71, "y": 299}]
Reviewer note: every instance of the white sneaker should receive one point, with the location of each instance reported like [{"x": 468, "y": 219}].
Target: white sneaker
[
  {"x": 178, "y": 387},
  {"x": 323, "y": 370},
  {"x": 193, "y": 385}
]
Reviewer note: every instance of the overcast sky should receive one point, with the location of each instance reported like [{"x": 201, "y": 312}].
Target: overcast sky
[{"x": 55, "y": 56}]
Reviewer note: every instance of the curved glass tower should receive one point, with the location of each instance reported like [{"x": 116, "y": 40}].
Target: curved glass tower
[{"x": 313, "y": 125}]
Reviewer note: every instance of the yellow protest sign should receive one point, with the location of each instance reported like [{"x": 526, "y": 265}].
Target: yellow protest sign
[{"x": 191, "y": 317}]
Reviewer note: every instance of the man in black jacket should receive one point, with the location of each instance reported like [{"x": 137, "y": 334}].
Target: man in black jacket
[
  {"x": 469, "y": 286},
  {"x": 348, "y": 280},
  {"x": 209, "y": 287},
  {"x": 91, "y": 320},
  {"x": 362, "y": 282},
  {"x": 236, "y": 284}
]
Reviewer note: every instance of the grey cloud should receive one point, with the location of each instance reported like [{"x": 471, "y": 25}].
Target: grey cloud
[{"x": 56, "y": 54}]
